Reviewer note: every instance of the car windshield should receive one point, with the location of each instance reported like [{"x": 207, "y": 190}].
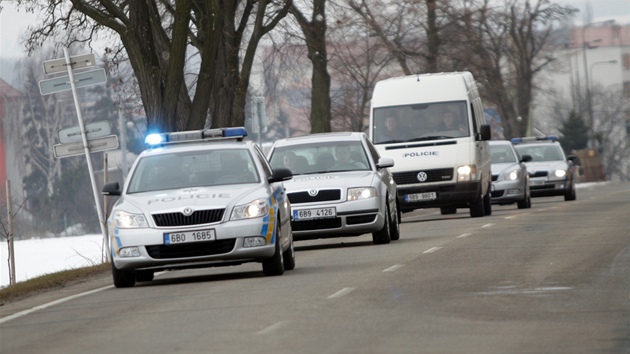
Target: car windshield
[
  {"x": 193, "y": 169},
  {"x": 501, "y": 154},
  {"x": 332, "y": 156},
  {"x": 541, "y": 152},
  {"x": 443, "y": 120}
]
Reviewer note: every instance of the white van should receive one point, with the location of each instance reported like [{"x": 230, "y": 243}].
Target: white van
[{"x": 433, "y": 126}]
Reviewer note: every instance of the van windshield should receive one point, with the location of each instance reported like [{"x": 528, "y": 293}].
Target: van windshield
[{"x": 417, "y": 122}]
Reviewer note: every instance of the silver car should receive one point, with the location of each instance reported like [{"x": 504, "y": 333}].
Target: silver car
[
  {"x": 199, "y": 199},
  {"x": 340, "y": 187},
  {"x": 510, "y": 180},
  {"x": 551, "y": 172}
]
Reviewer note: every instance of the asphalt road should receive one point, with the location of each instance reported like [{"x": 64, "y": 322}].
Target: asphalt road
[{"x": 551, "y": 279}]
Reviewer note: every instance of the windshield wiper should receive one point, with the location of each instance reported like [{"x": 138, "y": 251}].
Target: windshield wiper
[{"x": 432, "y": 137}]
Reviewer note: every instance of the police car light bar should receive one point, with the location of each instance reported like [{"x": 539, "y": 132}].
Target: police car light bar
[
  {"x": 530, "y": 139},
  {"x": 195, "y": 135}
]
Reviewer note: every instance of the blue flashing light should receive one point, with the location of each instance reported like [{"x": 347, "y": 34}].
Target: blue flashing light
[
  {"x": 155, "y": 139},
  {"x": 517, "y": 140},
  {"x": 530, "y": 139},
  {"x": 235, "y": 132}
]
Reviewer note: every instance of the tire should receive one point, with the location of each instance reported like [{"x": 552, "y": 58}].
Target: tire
[
  {"x": 487, "y": 204},
  {"x": 571, "y": 195},
  {"x": 448, "y": 210},
  {"x": 275, "y": 265},
  {"x": 144, "y": 275},
  {"x": 123, "y": 278},
  {"x": 394, "y": 225},
  {"x": 476, "y": 208},
  {"x": 383, "y": 236},
  {"x": 289, "y": 256}
]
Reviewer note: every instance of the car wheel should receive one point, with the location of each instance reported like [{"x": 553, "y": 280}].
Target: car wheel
[
  {"x": 123, "y": 278},
  {"x": 144, "y": 275},
  {"x": 383, "y": 236},
  {"x": 275, "y": 264},
  {"x": 487, "y": 203},
  {"x": 289, "y": 256},
  {"x": 448, "y": 211},
  {"x": 394, "y": 225},
  {"x": 571, "y": 195},
  {"x": 476, "y": 208}
]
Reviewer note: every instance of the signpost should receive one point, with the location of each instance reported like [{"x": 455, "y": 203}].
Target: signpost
[
  {"x": 92, "y": 130},
  {"x": 96, "y": 141}
]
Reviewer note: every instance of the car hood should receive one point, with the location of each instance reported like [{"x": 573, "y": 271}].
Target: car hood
[
  {"x": 498, "y": 168},
  {"x": 533, "y": 167},
  {"x": 197, "y": 198},
  {"x": 330, "y": 180}
]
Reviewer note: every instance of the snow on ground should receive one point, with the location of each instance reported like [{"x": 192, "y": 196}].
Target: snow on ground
[{"x": 36, "y": 257}]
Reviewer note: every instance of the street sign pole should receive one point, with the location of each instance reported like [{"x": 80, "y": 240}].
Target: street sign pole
[{"x": 86, "y": 148}]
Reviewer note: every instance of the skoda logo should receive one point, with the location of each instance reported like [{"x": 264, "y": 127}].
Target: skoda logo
[
  {"x": 422, "y": 176},
  {"x": 188, "y": 211},
  {"x": 313, "y": 192}
]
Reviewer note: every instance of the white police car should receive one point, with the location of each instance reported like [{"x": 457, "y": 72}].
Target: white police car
[
  {"x": 550, "y": 171},
  {"x": 510, "y": 180},
  {"x": 199, "y": 199},
  {"x": 340, "y": 187}
]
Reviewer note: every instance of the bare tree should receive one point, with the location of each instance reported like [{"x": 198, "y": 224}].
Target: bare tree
[
  {"x": 314, "y": 31},
  {"x": 611, "y": 107},
  {"x": 156, "y": 36}
]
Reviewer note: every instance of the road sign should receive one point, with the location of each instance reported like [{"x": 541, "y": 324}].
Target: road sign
[
  {"x": 92, "y": 131},
  {"x": 62, "y": 83},
  {"x": 76, "y": 62},
  {"x": 109, "y": 142}
]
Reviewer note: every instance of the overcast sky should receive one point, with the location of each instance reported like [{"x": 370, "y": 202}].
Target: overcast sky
[{"x": 14, "y": 22}]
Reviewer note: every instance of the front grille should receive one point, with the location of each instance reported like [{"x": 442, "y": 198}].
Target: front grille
[
  {"x": 497, "y": 194},
  {"x": 187, "y": 250},
  {"x": 362, "y": 219},
  {"x": 322, "y": 196},
  {"x": 411, "y": 177},
  {"x": 539, "y": 174},
  {"x": 318, "y": 224},
  {"x": 196, "y": 218}
]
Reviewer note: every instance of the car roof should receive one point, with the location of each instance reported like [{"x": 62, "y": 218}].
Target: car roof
[
  {"x": 500, "y": 142},
  {"x": 321, "y": 137}
]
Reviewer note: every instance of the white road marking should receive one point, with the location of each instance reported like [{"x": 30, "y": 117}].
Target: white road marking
[
  {"x": 432, "y": 249},
  {"x": 393, "y": 268},
  {"x": 488, "y": 225},
  {"x": 341, "y": 293},
  {"x": 56, "y": 302},
  {"x": 269, "y": 329},
  {"x": 463, "y": 235}
]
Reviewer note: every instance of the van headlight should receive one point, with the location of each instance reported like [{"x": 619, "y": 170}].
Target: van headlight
[
  {"x": 254, "y": 209},
  {"x": 125, "y": 220},
  {"x": 467, "y": 173}
]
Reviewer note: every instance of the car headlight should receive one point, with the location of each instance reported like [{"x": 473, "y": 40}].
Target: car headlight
[
  {"x": 512, "y": 175},
  {"x": 361, "y": 193},
  {"x": 125, "y": 220},
  {"x": 561, "y": 173},
  {"x": 467, "y": 173},
  {"x": 255, "y": 209}
]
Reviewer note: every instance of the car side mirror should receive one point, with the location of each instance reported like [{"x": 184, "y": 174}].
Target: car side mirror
[
  {"x": 484, "y": 133},
  {"x": 280, "y": 174},
  {"x": 573, "y": 159},
  {"x": 385, "y": 162},
  {"x": 526, "y": 158},
  {"x": 112, "y": 189}
]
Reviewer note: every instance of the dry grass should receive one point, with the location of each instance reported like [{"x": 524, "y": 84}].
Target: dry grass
[{"x": 50, "y": 282}]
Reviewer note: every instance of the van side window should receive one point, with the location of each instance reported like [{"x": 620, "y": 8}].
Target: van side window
[{"x": 474, "y": 117}]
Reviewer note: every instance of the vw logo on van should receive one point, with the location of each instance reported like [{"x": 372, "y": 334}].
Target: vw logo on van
[
  {"x": 313, "y": 192},
  {"x": 422, "y": 176}
]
